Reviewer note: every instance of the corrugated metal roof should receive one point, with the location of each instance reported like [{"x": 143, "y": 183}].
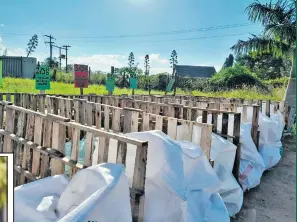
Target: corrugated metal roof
[{"x": 195, "y": 71}]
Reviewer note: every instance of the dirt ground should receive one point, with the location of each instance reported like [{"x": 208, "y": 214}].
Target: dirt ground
[{"x": 275, "y": 198}]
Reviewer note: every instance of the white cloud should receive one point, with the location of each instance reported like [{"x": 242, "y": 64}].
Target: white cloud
[
  {"x": 99, "y": 61},
  {"x": 1, "y": 25},
  {"x": 156, "y": 58},
  {"x": 160, "y": 70}
]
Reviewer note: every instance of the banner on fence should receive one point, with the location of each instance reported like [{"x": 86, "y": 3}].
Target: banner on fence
[
  {"x": 0, "y": 73},
  {"x": 133, "y": 81},
  {"x": 110, "y": 82},
  {"x": 42, "y": 78},
  {"x": 81, "y": 76},
  {"x": 170, "y": 85}
]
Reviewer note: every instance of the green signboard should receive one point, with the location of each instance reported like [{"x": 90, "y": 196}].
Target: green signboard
[
  {"x": 110, "y": 82},
  {"x": 42, "y": 78},
  {"x": 133, "y": 81},
  {"x": 1, "y": 82},
  {"x": 170, "y": 85}
]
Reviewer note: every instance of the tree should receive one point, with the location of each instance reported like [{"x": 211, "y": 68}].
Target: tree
[
  {"x": 147, "y": 70},
  {"x": 228, "y": 62},
  {"x": 54, "y": 62},
  {"x": 131, "y": 60},
  {"x": 33, "y": 43},
  {"x": 173, "y": 59},
  {"x": 279, "y": 36},
  {"x": 265, "y": 65}
]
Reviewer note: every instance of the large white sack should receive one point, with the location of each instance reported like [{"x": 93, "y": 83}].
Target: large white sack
[
  {"x": 27, "y": 199},
  {"x": 180, "y": 183},
  {"x": 97, "y": 193},
  {"x": 269, "y": 144},
  {"x": 251, "y": 162},
  {"x": 223, "y": 154}
]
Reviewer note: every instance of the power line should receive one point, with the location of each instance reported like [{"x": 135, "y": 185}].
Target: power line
[
  {"x": 211, "y": 28},
  {"x": 59, "y": 47}
]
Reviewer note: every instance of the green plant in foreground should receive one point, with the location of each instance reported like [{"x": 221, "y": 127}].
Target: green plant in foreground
[{"x": 3, "y": 181}]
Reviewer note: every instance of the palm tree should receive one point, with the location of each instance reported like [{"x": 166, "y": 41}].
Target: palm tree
[{"x": 279, "y": 35}]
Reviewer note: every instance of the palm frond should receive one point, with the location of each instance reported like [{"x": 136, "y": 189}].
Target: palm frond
[
  {"x": 262, "y": 44},
  {"x": 267, "y": 13},
  {"x": 285, "y": 32}
]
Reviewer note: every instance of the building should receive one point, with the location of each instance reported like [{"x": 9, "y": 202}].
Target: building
[
  {"x": 194, "y": 71},
  {"x": 17, "y": 66}
]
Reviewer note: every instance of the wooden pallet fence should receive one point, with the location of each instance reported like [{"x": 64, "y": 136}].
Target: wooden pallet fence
[{"x": 41, "y": 149}]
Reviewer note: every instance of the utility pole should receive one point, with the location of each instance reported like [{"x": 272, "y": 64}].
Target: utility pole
[
  {"x": 59, "y": 47},
  {"x": 51, "y": 47},
  {"x": 66, "y": 48}
]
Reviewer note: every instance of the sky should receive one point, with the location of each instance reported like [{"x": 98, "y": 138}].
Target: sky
[{"x": 102, "y": 33}]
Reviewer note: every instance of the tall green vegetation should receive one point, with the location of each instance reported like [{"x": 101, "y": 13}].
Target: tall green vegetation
[
  {"x": 3, "y": 180},
  {"x": 279, "y": 35},
  {"x": 33, "y": 43}
]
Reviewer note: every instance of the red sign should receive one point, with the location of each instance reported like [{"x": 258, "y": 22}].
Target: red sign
[{"x": 81, "y": 76}]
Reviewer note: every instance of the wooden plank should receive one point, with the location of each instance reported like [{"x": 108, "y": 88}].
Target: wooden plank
[
  {"x": 26, "y": 152},
  {"x": 46, "y": 142},
  {"x": 62, "y": 107},
  {"x": 98, "y": 116},
  {"x": 59, "y": 132},
  {"x": 225, "y": 122},
  {"x": 9, "y": 126},
  {"x": 34, "y": 102},
  {"x": 116, "y": 118},
  {"x": 159, "y": 123},
  {"x": 138, "y": 184},
  {"x": 214, "y": 121},
  {"x": 1, "y": 115},
  {"x": 17, "y": 153},
  {"x": 55, "y": 103},
  {"x": 267, "y": 111},
  {"x": 106, "y": 117},
  {"x": 38, "y": 140},
  {"x": 187, "y": 130},
  {"x": 236, "y": 142},
  {"x": 255, "y": 125},
  {"x": 244, "y": 114},
  {"x": 172, "y": 127},
  {"x": 205, "y": 141},
  {"x": 41, "y": 104},
  {"x": 204, "y": 117},
  {"x": 48, "y": 104},
  {"x": 145, "y": 122}
]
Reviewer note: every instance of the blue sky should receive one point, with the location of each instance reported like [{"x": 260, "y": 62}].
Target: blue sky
[{"x": 70, "y": 21}]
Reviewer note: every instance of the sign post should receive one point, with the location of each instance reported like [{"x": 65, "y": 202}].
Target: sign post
[
  {"x": 42, "y": 78},
  {"x": 110, "y": 82},
  {"x": 81, "y": 77},
  {"x": 133, "y": 82},
  {"x": 170, "y": 85}
]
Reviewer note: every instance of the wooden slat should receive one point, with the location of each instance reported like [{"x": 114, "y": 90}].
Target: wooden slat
[
  {"x": 116, "y": 116},
  {"x": 98, "y": 116},
  {"x": 255, "y": 125},
  {"x": 225, "y": 122},
  {"x": 106, "y": 117},
  {"x": 187, "y": 130},
  {"x": 214, "y": 121},
  {"x": 145, "y": 122},
  {"x": 46, "y": 142},
  {"x": 159, "y": 123},
  {"x": 38, "y": 140},
  {"x": 9, "y": 126},
  {"x": 138, "y": 184},
  {"x": 205, "y": 141},
  {"x": 26, "y": 152},
  {"x": 236, "y": 142},
  {"x": 17, "y": 153},
  {"x": 59, "y": 132},
  {"x": 172, "y": 128}
]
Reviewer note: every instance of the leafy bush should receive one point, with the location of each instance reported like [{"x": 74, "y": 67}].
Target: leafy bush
[
  {"x": 236, "y": 77},
  {"x": 276, "y": 83}
]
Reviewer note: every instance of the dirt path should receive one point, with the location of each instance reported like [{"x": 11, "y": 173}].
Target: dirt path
[{"x": 275, "y": 198}]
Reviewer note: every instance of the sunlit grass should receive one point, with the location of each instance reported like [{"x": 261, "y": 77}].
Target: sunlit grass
[{"x": 16, "y": 85}]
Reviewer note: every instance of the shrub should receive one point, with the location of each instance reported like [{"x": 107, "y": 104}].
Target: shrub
[{"x": 236, "y": 77}]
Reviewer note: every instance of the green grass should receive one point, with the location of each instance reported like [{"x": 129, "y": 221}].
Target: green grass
[{"x": 16, "y": 85}]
